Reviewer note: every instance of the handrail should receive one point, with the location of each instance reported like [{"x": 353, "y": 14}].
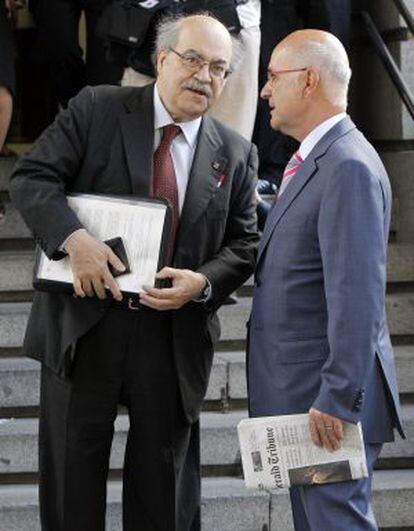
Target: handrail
[
  {"x": 389, "y": 63},
  {"x": 406, "y": 14}
]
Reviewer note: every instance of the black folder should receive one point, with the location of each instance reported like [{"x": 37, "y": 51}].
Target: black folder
[{"x": 137, "y": 229}]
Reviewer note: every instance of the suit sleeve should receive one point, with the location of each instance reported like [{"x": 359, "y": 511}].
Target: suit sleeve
[
  {"x": 235, "y": 261},
  {"x": 353, "y": 249},
  {"x": 43, "y": 175}
]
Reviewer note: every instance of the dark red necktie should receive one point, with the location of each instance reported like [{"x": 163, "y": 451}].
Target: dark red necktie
[{"x": 164, "y": 182}]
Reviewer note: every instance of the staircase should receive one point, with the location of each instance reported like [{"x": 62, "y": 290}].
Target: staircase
[{"x": 226, "y": 505}]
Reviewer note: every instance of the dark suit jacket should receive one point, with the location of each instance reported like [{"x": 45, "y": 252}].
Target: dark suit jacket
[{"x": 103, "y": 143}]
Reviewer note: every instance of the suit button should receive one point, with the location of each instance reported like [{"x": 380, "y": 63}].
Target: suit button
[{"x": 258, "y": 283}]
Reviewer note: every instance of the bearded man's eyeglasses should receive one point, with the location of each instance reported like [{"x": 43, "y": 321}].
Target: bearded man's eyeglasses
[{"x": 195, "y": 62}]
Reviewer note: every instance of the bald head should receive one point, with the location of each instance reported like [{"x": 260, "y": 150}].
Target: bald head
[{"x": 324, "y": 52}]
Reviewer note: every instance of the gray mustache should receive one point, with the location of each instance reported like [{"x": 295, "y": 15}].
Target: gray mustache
[{"x": 197, "y": 85}]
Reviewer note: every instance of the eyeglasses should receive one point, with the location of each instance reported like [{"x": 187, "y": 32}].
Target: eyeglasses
[
  {"x": 195, "y": 62},
  {"x": 271, "y": 74}
]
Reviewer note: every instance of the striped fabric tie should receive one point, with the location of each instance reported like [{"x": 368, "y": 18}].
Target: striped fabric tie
[{"x": 292, "y": 167}]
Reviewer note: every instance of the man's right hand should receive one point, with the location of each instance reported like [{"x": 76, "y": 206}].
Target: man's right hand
[{"x": 89, "y": 259}]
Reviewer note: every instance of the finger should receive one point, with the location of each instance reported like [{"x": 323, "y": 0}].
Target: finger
[
  {"x": 113, "y": 287},
  {"x": 314, "y": 433},
  {"x": 162, "y": 293},
  {"x": 339, "y": 429},
  {"x": 333, "y": 439},
  {"x": 87, "y": 287},
  {"x": 166, "y": 272},
  {"x": 77, "y": 286},
  {"x": 99, "y": 288},
  {"x": 155, "y": 304},
  {"x": 323, "y": 435},
  {"x": 115, "y": 261}
]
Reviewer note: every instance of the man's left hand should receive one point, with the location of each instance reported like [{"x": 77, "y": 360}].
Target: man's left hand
[
  {"x": 326, "y": 430},
  {"x": 186, "y": 286}
]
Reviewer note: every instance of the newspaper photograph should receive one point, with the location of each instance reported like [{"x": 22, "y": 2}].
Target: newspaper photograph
[{"x": 278, "y": 452}]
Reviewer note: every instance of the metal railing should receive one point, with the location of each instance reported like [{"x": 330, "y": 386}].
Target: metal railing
[
  {"x": 388, "y": 61},
  {"x": 405, "y": 13}
]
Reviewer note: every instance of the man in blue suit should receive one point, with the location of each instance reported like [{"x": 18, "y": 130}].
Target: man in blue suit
[{"x": 319, "y": 341}]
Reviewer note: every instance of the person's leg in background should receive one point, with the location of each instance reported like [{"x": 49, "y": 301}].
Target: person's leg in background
[
  {"x": 7, "y": 81},
  {"x": 98, "y": 70},
  {"x": 238, "y": 102},
  {"x": 57, "y": 45}
]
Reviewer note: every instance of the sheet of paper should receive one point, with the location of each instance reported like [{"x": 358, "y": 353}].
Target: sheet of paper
[{"x": 140, "y": 224}]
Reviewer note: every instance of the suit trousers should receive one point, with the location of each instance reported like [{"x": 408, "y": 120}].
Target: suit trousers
[
  {"x": 125, "y": 359},
  {"x": 57, "y": 45},
  {"x": 337, "y": 506}
]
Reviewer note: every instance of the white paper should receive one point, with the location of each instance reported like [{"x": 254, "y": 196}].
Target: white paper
[
  {"x": 278, "y": 452},
  {"x": 140, "y": 224}
]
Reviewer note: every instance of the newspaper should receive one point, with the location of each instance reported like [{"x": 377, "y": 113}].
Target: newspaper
[{"x": 278, "y": 452}]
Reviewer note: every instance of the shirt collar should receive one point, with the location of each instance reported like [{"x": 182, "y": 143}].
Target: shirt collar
[
  {"x": 162, "y": 118},
  {"x": 310, "y": 141}
]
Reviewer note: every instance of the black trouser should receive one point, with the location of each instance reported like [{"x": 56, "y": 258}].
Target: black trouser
[
  {"x": 57, "y": 45},
  {"x": 126, "y": 358}
]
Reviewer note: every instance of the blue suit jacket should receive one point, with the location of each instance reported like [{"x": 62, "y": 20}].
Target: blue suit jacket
[{"x": 318, "y": 333}]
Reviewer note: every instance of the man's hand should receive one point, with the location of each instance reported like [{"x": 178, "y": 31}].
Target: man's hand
[
  {"x": 325, "y": 430},
  {"x": 89, "y": 259},
  {"x": 186, "y": 286}
]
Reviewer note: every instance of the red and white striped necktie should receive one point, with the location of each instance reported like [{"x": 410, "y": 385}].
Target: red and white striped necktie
[{"x": 292, "y": 167}]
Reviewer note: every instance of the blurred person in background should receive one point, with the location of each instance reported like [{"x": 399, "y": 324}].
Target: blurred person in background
[
  {"x": 7, "y": 73},
  {"x": 57, "y": 45}
]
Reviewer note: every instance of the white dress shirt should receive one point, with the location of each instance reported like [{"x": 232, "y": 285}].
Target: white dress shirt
[
  {"x": 183, "y": 146},
  {"x": 310, "y": 141}
]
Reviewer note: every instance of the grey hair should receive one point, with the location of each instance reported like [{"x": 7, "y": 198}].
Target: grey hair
[
  {"x": 333, "y": 67},
  {"x": 168, "y": 32}
]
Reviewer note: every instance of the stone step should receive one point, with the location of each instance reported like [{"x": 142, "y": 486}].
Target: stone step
[
  {"x": 20, "y": 378},
  {"x": 237, "y": 388},
  {"x": 6, "y": 167},
  {"x": 16, "y": 268},
  {"x": 400, "y": 169},
  {"x": 12, "y": 225},
  {"x": 227, "y": 505},
  {"x": 219, "y": 443},
  {"x": 233, "y": 318}
]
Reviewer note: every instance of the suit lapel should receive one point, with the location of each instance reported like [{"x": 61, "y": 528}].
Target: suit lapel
[
  {"x": 208, "y": 167},
  {"x": 300, "y": 180},
  {"x": 137, "y": 128}
]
